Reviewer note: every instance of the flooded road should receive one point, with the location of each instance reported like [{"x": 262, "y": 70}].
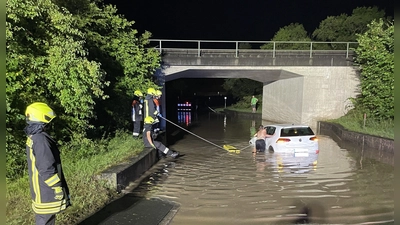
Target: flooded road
[{"x": 213, "y": 186}]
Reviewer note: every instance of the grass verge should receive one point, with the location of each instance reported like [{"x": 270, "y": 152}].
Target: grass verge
[
  {"x": 88, "y": 194},
  {"x": 354, "y": 121}
]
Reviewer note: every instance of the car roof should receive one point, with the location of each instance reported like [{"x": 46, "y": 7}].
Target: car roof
[{"x": 287, "y": 125}]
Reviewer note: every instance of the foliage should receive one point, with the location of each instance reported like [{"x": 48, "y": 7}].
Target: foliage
[
  {"x": 243, "y": 104},
  {"x": 127, "y": 63},
  {"x": 291, "y": 32},
  {"x": 344, "y": 28},
  {"x": 239, "y": 87},
  {"x": 244, "y": 45},
  {"x": 45, "y": 61},
  {"x": 81, "y": 58},
  {"x": 375, "y": 54}
]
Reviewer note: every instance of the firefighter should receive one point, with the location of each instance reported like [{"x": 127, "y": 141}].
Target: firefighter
[
  {"x": 49, "y": 189},
  {"x": 157, "y": 103},
  {"x": 150, "y": 109},
  {"x": 137, "y": 112}
]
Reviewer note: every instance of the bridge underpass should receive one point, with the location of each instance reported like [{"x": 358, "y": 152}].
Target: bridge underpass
[
  {"x": 293, "y": 90},
  {"x": 295, "y": 94}
]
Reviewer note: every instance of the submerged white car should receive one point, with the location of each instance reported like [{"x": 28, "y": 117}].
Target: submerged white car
[{"x": 295, "y": 144}]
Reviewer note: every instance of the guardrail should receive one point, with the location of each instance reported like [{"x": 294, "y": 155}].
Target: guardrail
[{"x": 200, "y": 46}]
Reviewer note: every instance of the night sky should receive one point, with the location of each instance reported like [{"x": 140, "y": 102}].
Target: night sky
[{"x": 251, "y": 20}]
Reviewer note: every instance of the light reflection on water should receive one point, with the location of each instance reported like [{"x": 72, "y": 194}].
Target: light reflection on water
[{"x": 213, "y": 186}]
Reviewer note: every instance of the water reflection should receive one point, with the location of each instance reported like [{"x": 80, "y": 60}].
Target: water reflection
[
  {"x": 184, "y": 113},
  {"x": 252, "y": 128},
  {"x": 213, "y": 186}
]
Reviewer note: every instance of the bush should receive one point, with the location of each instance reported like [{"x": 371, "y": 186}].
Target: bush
[{"x": 244, "y": 103}]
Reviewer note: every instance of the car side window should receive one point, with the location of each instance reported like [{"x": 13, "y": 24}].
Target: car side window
[{"x": 270, "y": 130}]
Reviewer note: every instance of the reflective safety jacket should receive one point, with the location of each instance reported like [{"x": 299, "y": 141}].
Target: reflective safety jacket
[
  {"x": 49, "y": 190},
  {"x": 149, "y": 108}
]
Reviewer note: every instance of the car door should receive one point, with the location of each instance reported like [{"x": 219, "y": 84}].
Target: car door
[{"x": 270, "y": 131}]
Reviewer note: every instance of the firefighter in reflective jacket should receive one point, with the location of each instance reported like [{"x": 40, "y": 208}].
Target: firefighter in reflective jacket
[
  {"x": 149, "y": 108},
  {"x": 49, "y": 189},
  {"x": 137, "y": 112}
]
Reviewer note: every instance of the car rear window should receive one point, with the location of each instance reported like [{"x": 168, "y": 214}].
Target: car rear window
[{"x": 296, "y": 131}]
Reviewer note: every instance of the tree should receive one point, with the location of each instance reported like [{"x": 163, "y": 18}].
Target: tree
[
  {"x": 344, "y": 28},
  {"x": 122, "y": 53},
  {"x": 73, "y": 55},
  {"x": 291, "y": 32},
  {"x": 244, "y": 45},
  {"x": 45, "y": 61},
  {"x": 239, "y": 87},
  {"x": 375, "y": 55}
]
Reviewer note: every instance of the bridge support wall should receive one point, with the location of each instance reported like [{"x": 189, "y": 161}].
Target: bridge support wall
[{"x": 319, "y": 93}]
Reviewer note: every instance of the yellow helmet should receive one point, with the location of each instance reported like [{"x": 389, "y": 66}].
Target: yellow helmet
[
  {"x": 39, "y": 112},
  {"x": 149, "y": 120},
  {"x": 138, "y": 93},
  {"x": 158, "y": 93},
  {"x": 151, "y": 91}
]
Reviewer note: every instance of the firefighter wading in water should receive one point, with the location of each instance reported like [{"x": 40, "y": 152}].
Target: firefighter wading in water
[{"x": 49, "y": 190}]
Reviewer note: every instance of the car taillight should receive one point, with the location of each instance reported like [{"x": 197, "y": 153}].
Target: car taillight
[
  {"x": 313, "y": 139},
  {"x": 282, "y": 140}
]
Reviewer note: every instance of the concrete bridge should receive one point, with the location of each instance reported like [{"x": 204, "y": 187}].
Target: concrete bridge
[{"x": 299, "y": 86}]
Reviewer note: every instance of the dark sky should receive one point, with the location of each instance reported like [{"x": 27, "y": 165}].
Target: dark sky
[{"x": 251, "y": 20}]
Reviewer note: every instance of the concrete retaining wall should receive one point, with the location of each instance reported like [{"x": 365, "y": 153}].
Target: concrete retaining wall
[
  {"x": 318, "y": 93},
  {"x": 374, "y": 142},
  {"x": 249, "y": 115},
  {"x": 121, "y": 175}
]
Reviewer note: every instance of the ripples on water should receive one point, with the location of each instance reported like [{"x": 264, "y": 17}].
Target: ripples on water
[{"x": 213, "y": 186}]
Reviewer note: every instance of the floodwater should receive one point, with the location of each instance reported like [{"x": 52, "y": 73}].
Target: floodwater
[{"x": 213, "y": 186}]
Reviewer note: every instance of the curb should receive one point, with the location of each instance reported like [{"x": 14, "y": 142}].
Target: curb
[
  {"x": 251, "y": 115},
  {"x": 120, "y": 176},
  {"x": 362, "y": 140}
]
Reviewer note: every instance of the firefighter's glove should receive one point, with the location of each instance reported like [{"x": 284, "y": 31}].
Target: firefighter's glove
[
  {"x": 58, "y": 193},
  {"x": 156, "y": 113}
]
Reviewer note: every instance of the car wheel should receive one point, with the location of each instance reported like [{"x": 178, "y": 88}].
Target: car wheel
[{"x": 270, "y": 149}]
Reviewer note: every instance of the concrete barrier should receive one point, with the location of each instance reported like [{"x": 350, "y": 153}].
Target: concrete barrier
[
  {"x": 121, "y": 175},
  {"x": 364, "y": 140},
  {"x": 249, "y": 114}
]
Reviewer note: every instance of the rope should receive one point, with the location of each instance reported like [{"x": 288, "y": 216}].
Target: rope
[
  {"x": 193, "y": 133},
  {"x": 245, "y": 147}
]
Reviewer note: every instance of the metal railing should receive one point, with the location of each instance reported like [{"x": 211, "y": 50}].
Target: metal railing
[{"x": 275, "y": 46}]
